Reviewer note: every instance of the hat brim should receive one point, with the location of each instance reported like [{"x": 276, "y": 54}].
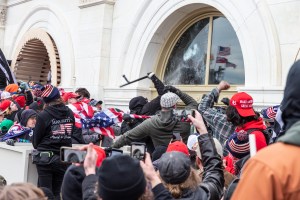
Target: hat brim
[{"x": 246, "y": 112}]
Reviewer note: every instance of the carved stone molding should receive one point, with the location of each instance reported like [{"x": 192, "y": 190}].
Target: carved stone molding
[
  {"x": 3, "y": 10},
  {"x": 89, "y": 3}
]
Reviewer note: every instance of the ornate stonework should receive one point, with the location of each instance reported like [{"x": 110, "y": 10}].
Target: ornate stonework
[
  {"x": 89, "y": 3},
  {"x": 2, "y": 15}
]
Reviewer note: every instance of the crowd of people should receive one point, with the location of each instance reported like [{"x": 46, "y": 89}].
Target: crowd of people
[{"x": 198, "y": 151}]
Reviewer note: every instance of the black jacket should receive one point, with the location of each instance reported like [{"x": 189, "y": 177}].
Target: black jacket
[
  {"x": 89, "y": 189},
  {"x": 212, "y": 184},
  {"x": 54, "y": 128}
]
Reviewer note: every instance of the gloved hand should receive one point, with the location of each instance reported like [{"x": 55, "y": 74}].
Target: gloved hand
[
  {"x": 10, "y": 142},
  {"x": 150, "y": 74}
]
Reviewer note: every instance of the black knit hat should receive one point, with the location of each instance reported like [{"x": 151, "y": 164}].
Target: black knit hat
[
  {"x": 121, "y": 178},
  {"x": 71, "y": 188},
  {"x": 137, "y": 102}
]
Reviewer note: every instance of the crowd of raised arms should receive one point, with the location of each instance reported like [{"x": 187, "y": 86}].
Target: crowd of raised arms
[{"x": 197, "y": 151}]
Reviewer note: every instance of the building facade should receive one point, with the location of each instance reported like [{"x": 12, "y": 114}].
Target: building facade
[{"x": 188, "y": 43}]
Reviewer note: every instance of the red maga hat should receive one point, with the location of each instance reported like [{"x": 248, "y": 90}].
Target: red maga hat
[{"x": 243, "y": 102}]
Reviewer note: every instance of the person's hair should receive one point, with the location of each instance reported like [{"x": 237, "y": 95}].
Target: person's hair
[
  {"x": 236, "y": 119},
  {"x": 21, "y": 191},
  {"x": 54, "y": 102},
  {"x": 191, "y": 182},
  {"x": 83, "y": 92}
]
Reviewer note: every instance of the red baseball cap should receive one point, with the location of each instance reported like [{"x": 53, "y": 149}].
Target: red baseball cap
[
  {"x": 69, "y": 95},
  {"x": 4, "y": 105},
  {"x": 243, "y": 102},
  {"x": 178, "y": 146}
]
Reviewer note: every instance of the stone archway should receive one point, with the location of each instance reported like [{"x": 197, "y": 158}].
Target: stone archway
[{"x": 35, "y": 56}]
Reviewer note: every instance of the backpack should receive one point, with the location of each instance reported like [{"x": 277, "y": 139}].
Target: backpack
[{"x": 267, "y": 133}]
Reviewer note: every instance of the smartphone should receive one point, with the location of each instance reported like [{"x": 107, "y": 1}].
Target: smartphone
[
  {"x": 70, "y": 155},
  {"x": 138, "y": 150},
  {"x": 193, "y": 113},
  {"x": 176, "y": 136},
  {"x": 112, "y": 152},
  {"x": 190, "y": 112}
]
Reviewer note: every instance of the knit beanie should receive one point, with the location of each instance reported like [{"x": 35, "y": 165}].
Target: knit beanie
[
  {"x": 72, "y": 183},
  {"x": 174, "y": 167},
  {"x": 11, "y": 88},
  {"x": 121, "y": 178},
  {"x": 168, "y": 100},
  {"x": 26, "y": 114},
  {"x": 238, "y": 144},
  {"x": 178, "y": 146},
  {"x": 5, "y": 125},
  {"x": 50, "y": 93},
  {"x": 20, "y": 100},
  {"x": 137, "y": 102}
]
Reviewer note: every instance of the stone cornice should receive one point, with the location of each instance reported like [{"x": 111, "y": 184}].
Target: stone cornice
[
  {"x": 90, "y": 3},
  {"x": 16, "y": 2}
]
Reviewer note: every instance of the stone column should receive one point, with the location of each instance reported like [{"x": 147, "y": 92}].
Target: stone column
[
  {"x": 94, "y": 36},
  {"x": 3, "y": 10}
]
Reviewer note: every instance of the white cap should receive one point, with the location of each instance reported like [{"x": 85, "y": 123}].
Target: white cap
[
  {"x": 193, "y": 144},
  {"x": 5, "y": 95}
]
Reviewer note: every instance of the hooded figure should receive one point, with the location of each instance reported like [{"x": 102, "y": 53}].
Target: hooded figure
[
  {"x": 54, "y": 128},
  {"x": 278, "y": 177}
]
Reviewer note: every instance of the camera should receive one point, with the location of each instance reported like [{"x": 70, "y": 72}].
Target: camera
[
  {"x": 182, "y": 114},
  {"x": 70, "y": 155},
  {"x": 109, "y": 152},
  {"x": 138, "y": 150}
]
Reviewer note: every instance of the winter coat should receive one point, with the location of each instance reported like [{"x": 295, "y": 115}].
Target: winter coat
[
  {"x": 211, "y": 187},
  {"x": 160, "y": 127},
  {"x": 259, "y": 136},
  {"x": 54, "y": 128},
  {"x": 273, "y": 173}
]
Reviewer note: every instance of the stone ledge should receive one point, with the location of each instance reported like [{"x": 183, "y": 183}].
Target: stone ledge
[{"x": 90, "y": 3}]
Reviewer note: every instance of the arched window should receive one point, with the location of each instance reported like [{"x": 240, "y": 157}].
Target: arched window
[{"x": 190, "y": 64}]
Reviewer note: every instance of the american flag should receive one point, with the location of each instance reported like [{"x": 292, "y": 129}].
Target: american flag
[
  {"x": 62, "y": 129},
  {"x": 229, "y": 64},
  {"x": 271, "y": 111},
  {"x": 102, "y": 121},
  {"x": 221, "y": 60},
  {"x": 15, "y": 131},
  {"x": 81, "y": 110},
  {"x": 224, "y": 51}
]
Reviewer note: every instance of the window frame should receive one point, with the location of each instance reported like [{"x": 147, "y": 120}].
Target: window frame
[{"x": 175, "y": 35}]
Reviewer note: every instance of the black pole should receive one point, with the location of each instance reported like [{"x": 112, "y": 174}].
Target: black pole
[{"x": 129, "y": 82}]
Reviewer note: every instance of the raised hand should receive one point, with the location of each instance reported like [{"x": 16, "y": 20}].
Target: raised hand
[{"x": 198, "y": 122}]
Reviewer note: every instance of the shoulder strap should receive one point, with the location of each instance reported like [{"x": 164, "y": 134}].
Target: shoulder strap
[{"x": 264, "y": 132}]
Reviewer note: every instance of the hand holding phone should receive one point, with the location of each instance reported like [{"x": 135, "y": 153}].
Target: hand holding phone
[
  {"x": 138, "y": 150},
  {"x": 198, "y": 122},
  {"x": 70, "y": 155}
]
